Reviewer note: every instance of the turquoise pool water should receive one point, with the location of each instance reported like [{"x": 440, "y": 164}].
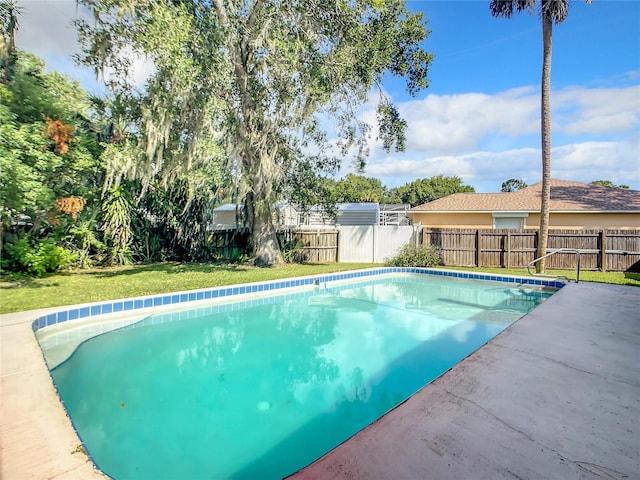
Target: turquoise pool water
[{"x": 260, "y": 389}]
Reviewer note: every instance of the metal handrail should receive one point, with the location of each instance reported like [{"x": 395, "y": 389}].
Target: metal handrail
[{"x": 558, "y": 250}]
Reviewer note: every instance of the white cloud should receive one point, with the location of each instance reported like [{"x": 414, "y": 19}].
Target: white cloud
[
  {"x": 597, "y": 111},
  {"x": 588, "y": 161},
  {"x": 46, "y": 29},
  {"x": 45, "y": 26},
  {"x": 477, "y": 168},
  {"x": 441, "y": 124},
  {"x": 457, "y": 123},
  {"x": 486, "y": 139},
  {"x": 582, "y": 162}
]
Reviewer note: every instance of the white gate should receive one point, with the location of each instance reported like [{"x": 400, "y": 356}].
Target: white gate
[{"x": 373, "y": 243}]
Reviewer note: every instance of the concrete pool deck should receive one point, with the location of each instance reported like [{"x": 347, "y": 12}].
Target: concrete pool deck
[{"x": 556, "y": 395}]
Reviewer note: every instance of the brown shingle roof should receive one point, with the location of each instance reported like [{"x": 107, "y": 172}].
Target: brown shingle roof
[{"x": 565, "y": 196}]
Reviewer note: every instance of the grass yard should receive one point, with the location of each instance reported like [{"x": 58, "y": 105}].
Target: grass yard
[
  {"x": 617, "y": 278},
  {"x": 97, "y": 285},
  {"x": 112, "y": 283}
]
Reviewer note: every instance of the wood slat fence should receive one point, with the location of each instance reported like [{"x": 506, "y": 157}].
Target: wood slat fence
[
  {"x": 612, "y": 250},
  {"x": 315, "y": 244},
  {"x": 228, "y": 244}
]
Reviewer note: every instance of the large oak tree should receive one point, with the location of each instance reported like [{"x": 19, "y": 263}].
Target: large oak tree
[{"x": 252, "y": 83}]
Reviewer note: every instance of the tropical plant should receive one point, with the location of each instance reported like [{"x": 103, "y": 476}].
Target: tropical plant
[
  {"x": 116, "y": 216},
  {"x": 171, "y": 223},
  {"x": 9, "y": 13},
  {"x": 551, "y": 11},
  {"x": 292, "y": 251},
  {"x": 81, "y": 238},
  {"x": 250, "y": 82},
  {"x": 49, "y": 160}
]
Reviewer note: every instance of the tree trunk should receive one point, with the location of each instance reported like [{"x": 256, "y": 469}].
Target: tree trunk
[
  {"x": 266, "y": 250},
  {"x": 264, "y": 241},
  {"x": 547, "y": 26}
]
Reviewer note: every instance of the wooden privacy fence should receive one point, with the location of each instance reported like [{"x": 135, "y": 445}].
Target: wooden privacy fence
[
  {"x": 306, "y": 245},
  {"x": 613, "y": 250},
  {"x": 228, "y": 244},
  {"x": 313, "y": 244}
]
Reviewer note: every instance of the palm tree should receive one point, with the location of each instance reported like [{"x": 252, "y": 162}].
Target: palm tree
[
  {"x": 551, "y": 11},
  {"x": 9, "y": 12}
]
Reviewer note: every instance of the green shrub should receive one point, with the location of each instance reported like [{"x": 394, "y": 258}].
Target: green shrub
[
  {"x": 15, "y": 255},
  {"x": 81, "y": 239},
  {"x": 49, "y": 257},
  {"x": 45, "y": 257},
  {"x": 411, "y": 255}
]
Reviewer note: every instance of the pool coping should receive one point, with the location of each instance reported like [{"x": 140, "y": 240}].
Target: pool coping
[
  {"x": 28, "y": 427},
  {"x": 140, "y": 304}
]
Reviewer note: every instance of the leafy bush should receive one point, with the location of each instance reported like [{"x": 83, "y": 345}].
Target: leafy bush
[
  {"x": 82, "y": 240},
  {"x": 15, "y": 255},
  {"x": 48, "y": 257},
  {"x": 411, "y": 255},
  {"x": 45, "y": 257}
]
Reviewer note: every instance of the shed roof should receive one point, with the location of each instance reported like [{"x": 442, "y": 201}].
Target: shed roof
[
  {"x": 566, "y": 196},
  {"x": 360, "y": 207}
]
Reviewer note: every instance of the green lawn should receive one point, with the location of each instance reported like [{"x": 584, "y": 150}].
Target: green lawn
[
  {"x": 618, "y": 278},
  {"x": 123, "y": 282},
  {"x": 111, "y": 283}
]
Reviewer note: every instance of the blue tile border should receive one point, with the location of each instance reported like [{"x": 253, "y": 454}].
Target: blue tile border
[{"x": 228, "y": 291}]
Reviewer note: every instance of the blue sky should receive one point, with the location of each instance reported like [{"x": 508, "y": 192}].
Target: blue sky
[{"x": 479, "y": 118}]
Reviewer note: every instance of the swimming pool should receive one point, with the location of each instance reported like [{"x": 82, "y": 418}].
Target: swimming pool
[{"x": 263, "y": 387}]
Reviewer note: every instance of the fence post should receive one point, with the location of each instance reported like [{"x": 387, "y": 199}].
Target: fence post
[
  {"x": 478, "y": 237},
  {"x": 508, "y": 262},
  {"x": 603, "y": 250}
]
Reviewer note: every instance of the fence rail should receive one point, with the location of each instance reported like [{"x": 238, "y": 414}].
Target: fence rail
[
  {"x": 612, "y": 250},
  {"x": 315, "y": 244},
  {"x": 306, "y": 245},
  {"x": 228, "y": 244}
]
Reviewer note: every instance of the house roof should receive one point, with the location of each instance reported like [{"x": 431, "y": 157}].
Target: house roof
[{"x": 566, "y": 196}]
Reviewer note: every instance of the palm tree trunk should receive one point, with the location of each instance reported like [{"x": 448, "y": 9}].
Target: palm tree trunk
[
  {"x": 8, "y": 43},
  {"x": 545, "y": 107}
]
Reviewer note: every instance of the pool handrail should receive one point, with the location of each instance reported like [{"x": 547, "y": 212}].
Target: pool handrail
[{"x": 553, "y": 252}]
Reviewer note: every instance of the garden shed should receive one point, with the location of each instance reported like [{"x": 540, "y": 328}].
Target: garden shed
[{"x": 228, "y": 217}]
